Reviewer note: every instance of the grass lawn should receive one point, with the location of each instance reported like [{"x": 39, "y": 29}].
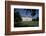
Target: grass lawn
[{"x": 27, "y": 24}]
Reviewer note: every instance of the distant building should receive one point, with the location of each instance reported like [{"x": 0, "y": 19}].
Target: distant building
[{"x": 26, "y": 18}]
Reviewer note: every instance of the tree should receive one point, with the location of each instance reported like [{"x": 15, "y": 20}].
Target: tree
[
  {"x": 33, "y": 12},
  {"x": 17, "y": 17},
  {"x": 37, "y": 19}
]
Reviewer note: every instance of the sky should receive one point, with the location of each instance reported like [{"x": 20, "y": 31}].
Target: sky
[{"x": 23, "y": 12}]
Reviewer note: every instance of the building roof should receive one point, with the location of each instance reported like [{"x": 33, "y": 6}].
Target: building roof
[{"x": 27, "y": 16}]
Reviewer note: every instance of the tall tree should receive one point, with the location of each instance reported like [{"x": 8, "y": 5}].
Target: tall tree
[
  {"x": 17, "y": 17},
  {"x": 33, "y": 12}
]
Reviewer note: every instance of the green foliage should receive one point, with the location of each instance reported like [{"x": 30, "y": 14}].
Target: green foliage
[
  {"x": 17, "y": 17},
  {"x": 37, "y": 19},
  {"x": 33, "y": 12}
]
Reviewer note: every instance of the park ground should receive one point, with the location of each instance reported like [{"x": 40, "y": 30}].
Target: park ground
[{"x": 27, "y": 24}]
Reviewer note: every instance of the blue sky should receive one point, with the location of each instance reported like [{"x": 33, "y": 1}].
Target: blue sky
[{"x": 23, "y": 12}]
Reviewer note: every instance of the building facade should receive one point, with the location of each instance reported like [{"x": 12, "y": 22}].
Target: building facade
[{"x": 26, "y": 19}]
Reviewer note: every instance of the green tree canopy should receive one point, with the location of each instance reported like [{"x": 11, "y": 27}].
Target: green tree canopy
[{"x": 17, "y": 17}]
